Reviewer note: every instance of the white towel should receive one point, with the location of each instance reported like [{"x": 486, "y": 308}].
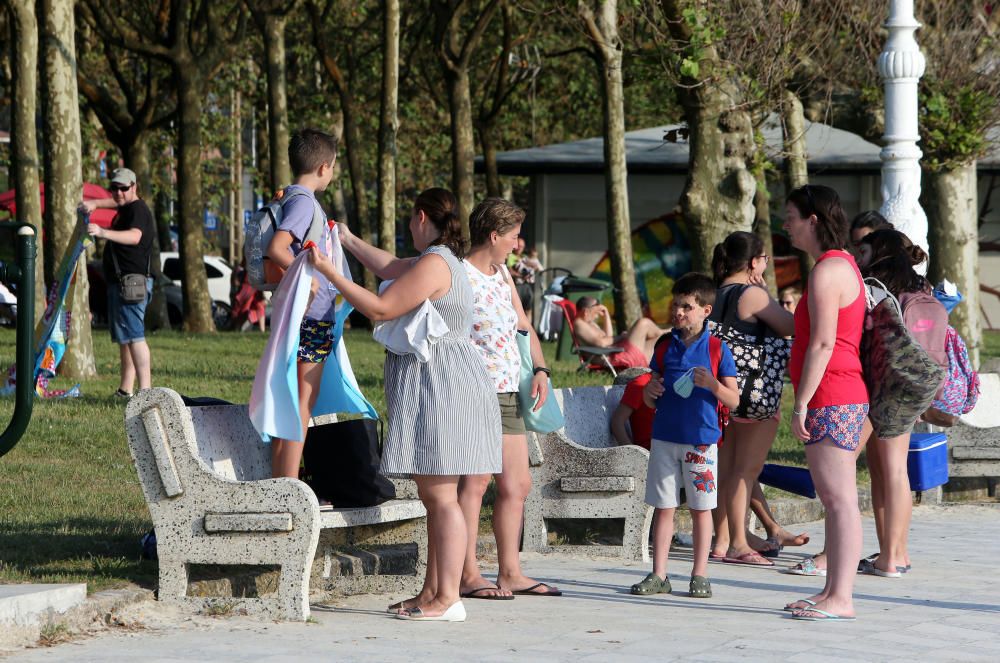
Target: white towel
[{"x": 413, "y": 333}]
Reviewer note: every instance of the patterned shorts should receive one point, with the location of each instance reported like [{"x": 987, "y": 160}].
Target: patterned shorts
[
  {"x": 841, "y": 423},
  {"x": 315, "y": 341}
]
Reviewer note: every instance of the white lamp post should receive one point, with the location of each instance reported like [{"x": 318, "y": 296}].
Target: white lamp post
[{"x": 901, "y": 65}]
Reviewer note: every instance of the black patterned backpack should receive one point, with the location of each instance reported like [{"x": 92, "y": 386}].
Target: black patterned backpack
[{"x": 760, "y": 359}]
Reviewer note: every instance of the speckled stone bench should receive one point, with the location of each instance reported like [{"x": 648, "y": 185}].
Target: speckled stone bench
[
  {"x": 580, "y": 472},
  {"x": 974, "y": 442},
  {"x": 205, "y": 474}
]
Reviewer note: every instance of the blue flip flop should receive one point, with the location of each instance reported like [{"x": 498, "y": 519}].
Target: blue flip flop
[
  {"x": 789, "y": 608},
  {"x": 824, "y": 616}
]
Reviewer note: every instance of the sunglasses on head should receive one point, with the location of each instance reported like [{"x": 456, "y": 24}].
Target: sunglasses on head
[{"x": 121, "y": 187}]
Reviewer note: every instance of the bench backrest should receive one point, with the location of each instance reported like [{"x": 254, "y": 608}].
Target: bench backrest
[
  {"x": 588, "y": 411},
  {"x": 986, "y": 414},
  {"x": 229, "y": 444}
]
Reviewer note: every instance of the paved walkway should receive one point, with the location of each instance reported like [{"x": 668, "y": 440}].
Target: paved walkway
[{"x": 946, "y": 609}]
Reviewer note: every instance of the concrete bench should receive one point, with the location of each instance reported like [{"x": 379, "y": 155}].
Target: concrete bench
[
  {"x": 974, "y": 442},
  {"x": 580, "y": 472},
  {"x": 205, "y": 474}
]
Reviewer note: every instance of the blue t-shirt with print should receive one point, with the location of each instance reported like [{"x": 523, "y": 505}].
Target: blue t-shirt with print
[
  {"x": 695, "y": 419},
  {"x": 297, "y": 216}
]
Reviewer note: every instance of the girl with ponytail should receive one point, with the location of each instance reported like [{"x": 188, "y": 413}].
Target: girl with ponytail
[
  {"x": 443, "y": 414},
  {"x": 890, "y": 256},
  {"x": 747, "y": 312}
]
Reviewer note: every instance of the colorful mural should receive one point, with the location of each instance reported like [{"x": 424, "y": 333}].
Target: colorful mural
[{"x": 661, "y": 251}]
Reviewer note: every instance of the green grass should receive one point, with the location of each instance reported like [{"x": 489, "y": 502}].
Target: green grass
[{"x": 71, "y": 508}]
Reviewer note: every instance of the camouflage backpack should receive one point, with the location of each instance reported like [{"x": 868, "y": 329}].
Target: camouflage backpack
[{"x": 902, "y": 378}]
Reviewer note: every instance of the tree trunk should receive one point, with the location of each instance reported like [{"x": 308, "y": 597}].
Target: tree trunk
[
  {"x": 194, "y": 286},
  {"x": 463, "y": 143},
  {"x": 236, "y": 227},
  {"x": 627, "y": 307},
  {"x": 603, "y": 34},
  {"x": 277, "y": 106},
  {"x": 718, "y": 194},
  {"x": 796, "y": 164},
  {"x": 388, "y": 126},
  {"x": 762, "y": 226},
  {"x": 267, "y": 186},
  {"x": 352, "y": 146},
  {"x": 486, "y": 139},
  {"x": 64, "y": 185},
  {"x": 137, "y": 158},
  {"x": 24, "y": 140},
  {"x": 954, "y": 244},
  {"x": 361, "y": 222}
]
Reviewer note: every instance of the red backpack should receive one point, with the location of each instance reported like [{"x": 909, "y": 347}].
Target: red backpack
[{"x": 714, "y": 357}]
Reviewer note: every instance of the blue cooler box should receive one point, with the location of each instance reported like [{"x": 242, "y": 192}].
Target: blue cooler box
[{"x": 927, "y": 461}]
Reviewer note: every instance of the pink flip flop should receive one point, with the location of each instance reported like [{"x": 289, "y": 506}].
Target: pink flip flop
[{"x": 749, "y": 559}]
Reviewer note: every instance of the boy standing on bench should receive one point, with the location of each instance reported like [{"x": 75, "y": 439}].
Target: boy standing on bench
[{"x": 693, "y": 372}]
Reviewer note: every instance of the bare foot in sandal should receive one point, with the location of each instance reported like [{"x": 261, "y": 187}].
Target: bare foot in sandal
[
  {"x": 786, "y": 538},
  {"x": 420, "y": 599},
  {"x": 478, "y": 587}
]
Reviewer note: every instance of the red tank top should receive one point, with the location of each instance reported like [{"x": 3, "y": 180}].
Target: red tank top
[{"x": 842, "y": 383}]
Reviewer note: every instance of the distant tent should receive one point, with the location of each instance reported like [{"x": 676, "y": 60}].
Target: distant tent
[{"x": 101, "y": 217}]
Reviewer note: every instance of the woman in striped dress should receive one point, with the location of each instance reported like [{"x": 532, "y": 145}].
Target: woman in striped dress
[
  {"x": 444, "y": 421},
  {"x": 497, "y": 316}
]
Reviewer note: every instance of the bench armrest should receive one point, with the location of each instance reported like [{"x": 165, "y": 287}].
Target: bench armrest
[{"x": 216, "y": 523}]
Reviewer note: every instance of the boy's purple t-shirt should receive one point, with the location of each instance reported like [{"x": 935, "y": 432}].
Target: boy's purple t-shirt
[{"x": 297, "y": 216}]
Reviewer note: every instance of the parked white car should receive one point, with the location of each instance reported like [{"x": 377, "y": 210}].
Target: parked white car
[{"x": 217, "y": 270}]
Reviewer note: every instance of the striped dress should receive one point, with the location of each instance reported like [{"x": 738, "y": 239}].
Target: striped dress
[{"x": 444, "y": 418}]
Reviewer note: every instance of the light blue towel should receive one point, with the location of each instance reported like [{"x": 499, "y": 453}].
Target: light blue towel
[{"x": 274, "y": 401}]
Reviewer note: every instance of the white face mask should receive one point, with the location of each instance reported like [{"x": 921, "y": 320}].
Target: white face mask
[{"x": 684, "y": 385}]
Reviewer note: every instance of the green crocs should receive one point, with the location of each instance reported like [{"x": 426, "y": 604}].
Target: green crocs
[
  {"x": 701, "y": 588},
  {"x": 652, "y": 584}
]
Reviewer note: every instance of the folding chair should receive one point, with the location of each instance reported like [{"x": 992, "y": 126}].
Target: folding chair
[{"x": 591, "y": 356}]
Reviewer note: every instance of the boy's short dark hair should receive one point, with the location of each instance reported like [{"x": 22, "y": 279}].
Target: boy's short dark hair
[
  {"x": 308, "y": 149},
  {"x": 699, "y": 285}
]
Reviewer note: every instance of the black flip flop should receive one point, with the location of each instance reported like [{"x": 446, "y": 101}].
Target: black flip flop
[
  {"x": 528, "y": 591},
  {"x": 474, "y": 594}
]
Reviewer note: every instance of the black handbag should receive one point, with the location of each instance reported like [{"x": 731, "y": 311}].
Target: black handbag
[
  {"x": 342, "y": 464},
  {"x": 131, "y": 286},
  {"x": 760, "y": 361}
]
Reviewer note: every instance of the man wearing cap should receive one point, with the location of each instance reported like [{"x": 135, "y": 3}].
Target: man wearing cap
[{"x": 128, "y": 251}]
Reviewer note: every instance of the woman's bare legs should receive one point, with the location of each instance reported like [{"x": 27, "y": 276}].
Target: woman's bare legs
[
  {"x": 775, "y": 532},
  {"x": 470, "y": 496},
  {"x": 429, "y": 589},
  {"x": 896, "y": 500},
  {"x": 751, "y": 441},
  {"x": 720, "y": 518},
  {"x": 513, "y": 486},
  {"x": 866, "y": 433},
  {"x": 834, "y": 472},
  {"x": 440, "y": 497}
]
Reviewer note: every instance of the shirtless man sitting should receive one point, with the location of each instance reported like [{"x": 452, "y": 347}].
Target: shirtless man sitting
[{"x": 637, "y": 342}]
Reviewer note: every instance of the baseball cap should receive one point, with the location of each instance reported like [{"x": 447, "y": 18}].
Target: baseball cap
[{"x": 123, "y": 176}]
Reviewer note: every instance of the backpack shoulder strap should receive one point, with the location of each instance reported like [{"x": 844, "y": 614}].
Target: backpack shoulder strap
[
  {"x": 660, "y": 350},
  {"x": 715, "y": 354},
  {"x": 315, "y": 232}
]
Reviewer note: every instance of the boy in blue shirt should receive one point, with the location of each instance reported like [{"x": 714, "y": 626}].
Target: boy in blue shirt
[{"x": 693, "y": 372}]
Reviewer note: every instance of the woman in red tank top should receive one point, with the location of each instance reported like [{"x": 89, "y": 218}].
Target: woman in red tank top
[{"x": 831, "y": 400}]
